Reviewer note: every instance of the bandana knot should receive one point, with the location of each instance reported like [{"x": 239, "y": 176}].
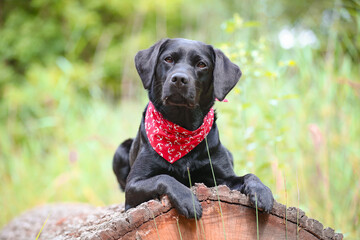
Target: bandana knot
[{"x": 170, "y": 140}]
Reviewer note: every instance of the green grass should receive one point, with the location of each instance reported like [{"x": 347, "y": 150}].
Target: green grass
[
  {"x": 78, "y": 166},
  {"x": 292, "y": 115}
]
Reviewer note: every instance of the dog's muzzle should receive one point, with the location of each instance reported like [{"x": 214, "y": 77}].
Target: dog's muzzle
[{"x": 179, "y": 90}]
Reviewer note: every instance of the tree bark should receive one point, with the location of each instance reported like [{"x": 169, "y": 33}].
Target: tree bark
[{"x": 226, "y": 215}]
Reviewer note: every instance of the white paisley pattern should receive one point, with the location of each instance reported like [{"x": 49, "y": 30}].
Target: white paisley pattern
[{"x": 170, "y": 140}]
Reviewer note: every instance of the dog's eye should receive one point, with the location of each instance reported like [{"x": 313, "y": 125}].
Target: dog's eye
[
  {"x": 169, "y": 60},
  {"x": 201, "y": 65}
]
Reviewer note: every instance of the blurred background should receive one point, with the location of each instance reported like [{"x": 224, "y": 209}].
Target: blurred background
[{"x": 69, "y": 94}]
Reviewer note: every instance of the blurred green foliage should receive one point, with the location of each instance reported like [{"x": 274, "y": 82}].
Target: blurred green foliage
[
  {"x": 69, "y": 93},
  {"x": 295, "y": 117}
]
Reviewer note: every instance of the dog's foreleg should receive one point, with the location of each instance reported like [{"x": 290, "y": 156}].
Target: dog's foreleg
[
  {"x": 254, "y": 188},
  {"x": 142, "y": 190}
]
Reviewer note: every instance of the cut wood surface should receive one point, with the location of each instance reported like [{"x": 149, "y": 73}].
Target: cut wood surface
[{"x": 157, "y": 219}]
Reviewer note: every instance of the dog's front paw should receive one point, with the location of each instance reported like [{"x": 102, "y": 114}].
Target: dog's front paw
[
  {"x": 260, "y": 195},
  {"x": 188, "y": 206}
]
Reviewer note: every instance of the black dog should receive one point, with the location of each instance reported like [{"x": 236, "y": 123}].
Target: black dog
[{"x": 183, "y": 79}]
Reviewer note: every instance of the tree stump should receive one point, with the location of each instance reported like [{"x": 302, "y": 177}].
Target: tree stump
[{"x": 157, "y": 219}]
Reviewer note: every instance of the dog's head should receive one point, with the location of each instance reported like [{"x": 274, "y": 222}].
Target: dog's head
[{"x": 186, "y": 73}]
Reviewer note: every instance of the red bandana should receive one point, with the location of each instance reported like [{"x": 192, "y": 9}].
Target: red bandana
[{"x": 171, "y": 141}]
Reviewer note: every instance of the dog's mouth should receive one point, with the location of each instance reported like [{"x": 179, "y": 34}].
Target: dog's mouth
[{"x": 178, "y": 100}]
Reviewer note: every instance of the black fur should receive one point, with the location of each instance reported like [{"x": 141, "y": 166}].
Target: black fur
[
  {"x": 121, "y": 165},
  {"x": 183, "y": 78}
]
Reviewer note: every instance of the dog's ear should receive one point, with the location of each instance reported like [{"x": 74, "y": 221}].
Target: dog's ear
[
  {"x": 145, "y": 62},
  {"x": 226, "y": 75}
]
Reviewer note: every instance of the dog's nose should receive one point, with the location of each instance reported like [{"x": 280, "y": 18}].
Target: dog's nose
[{"x": 180, "y": 79}]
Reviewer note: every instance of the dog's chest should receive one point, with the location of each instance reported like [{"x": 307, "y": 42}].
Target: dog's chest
[{"x": 184, "y": 169}]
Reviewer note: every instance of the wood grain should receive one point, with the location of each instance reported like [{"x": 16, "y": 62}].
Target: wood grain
[{"x": 239, "y": 222}]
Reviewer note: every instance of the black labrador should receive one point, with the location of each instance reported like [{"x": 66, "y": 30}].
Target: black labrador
[{"x": 183, "y": 79}]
